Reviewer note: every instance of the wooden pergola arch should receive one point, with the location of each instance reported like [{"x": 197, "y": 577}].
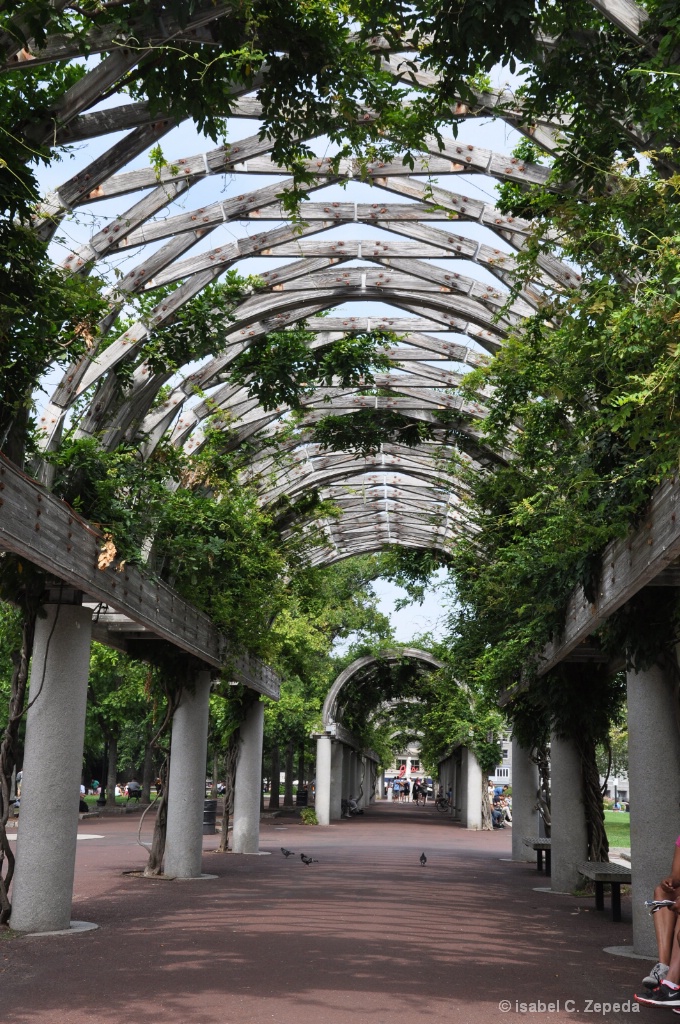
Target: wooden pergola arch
[
  {"x": 412, "y": 221},
  {"x": 362, "y": 666}
]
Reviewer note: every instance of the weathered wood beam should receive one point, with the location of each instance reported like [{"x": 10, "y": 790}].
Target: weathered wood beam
[
  {"x": 105, "y": 240},
  {"x": 544, "y": 132},
  {"x": 14, "y": 38},
  {"x": 105, "y": 39},
  {"x": 133, "y": 115},
  {"x": 628, "y": 565},
  {"x": 89, "y": 89},
  {"x": 44, "y": 530},
  {"x": 628, "y": 16},
  {"x": 197, "y": 166},
  {"x": 87, "y": 182}
]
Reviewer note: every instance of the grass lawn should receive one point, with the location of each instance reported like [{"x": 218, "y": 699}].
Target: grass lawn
[
  {"x": 617, "y": 825},
  {"x": 91, "y": 801}
]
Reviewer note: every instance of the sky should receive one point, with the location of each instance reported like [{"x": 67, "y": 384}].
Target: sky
[{"x": 414, "y": 619}]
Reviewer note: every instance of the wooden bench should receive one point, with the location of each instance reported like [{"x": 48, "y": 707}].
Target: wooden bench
[
  {"x": 607, "y": 874},
  {"x": 541, "y": 846}
]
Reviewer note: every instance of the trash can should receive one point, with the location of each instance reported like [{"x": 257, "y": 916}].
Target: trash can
[
  {"x": 209, "y": 817},
  {"x": 301, "y": 797}
]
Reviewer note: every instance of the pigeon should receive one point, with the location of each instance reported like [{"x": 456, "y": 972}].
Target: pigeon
[
  {"x": 308, "y": 860},
  {"x": 287, "y": 853},
  {"x": 423, "y": 860}
]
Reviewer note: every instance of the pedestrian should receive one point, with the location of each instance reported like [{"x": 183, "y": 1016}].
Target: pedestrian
[
  {"x": 406, "y": 791},
  {"x": 134, "y": 790},
  {"x": 662, "y": 984},
  {"x": 396, "y": 789}
]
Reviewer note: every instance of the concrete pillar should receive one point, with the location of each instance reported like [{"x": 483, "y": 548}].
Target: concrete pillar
[
  {"x": 246, "y": 836},
  {"x": 347, "y": 753},
  {"x": 357, "y": 781},
  {"x": 370, "y": 778},
  {"x": 337, "y": 763},
  {"x": 456, "y": 786},
  {"x": 654, "y": 779},
  {"x": 524, "y": 813},
  {"x": 323, "y": 780},
  {"x": 186, "y": 784},
  {"x": 380, "y": 787},
  {"x": 569, "y": 846},
  {"x": 366, "y": 768},
  {"x": 53, "y": 762},
  {"x": 472, "y": 790}
]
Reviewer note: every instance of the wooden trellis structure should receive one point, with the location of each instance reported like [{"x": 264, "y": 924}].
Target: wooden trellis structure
[{"x": 440, "y": 314}]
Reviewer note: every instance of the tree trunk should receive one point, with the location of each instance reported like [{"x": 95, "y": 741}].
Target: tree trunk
[
  {"x": 148, "y": 774},
  {"x": 598, "y": 844},
  {"x": 230, "y": 762},
  {"x": 154, "y": 865},
  {"x": 9, "y": 751},
  {"x": 541, "y": 759},
  {"x": 487, "y": 820},
  {"x": 215, "y": 770},
  {"x": 274, "y": 802},
  {"x": 112, "y": 771},
  {"x": 288, "y": 784},
  {"x": 301, "y": 766}
]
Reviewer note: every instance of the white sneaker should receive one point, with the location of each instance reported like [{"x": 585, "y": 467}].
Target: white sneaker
[{"x": 655, "y": 976}]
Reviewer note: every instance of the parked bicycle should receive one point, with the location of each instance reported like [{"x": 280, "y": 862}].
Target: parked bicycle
[{"x": 442, "y": 804}]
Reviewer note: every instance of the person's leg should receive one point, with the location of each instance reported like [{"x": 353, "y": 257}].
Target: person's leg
[
  {"x": 665, "y": 924},
  {"x": 668, "y": 992},
  {"x": 673, "y": 975}
]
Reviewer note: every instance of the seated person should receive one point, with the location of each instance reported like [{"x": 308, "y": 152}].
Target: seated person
[{"x": 663, "y": 981}]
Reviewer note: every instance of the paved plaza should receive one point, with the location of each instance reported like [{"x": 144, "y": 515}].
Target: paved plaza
[{"x": 364, "y": 936}]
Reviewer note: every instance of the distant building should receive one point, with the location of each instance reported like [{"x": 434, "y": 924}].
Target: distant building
[
  {"x": 503, "y": 774},
  {"x": 406, "y": 764},
  {"x": 617, "y": 788}
]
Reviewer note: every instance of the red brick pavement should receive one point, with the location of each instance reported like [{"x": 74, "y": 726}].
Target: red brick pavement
[{"x": 366, "y": 936}]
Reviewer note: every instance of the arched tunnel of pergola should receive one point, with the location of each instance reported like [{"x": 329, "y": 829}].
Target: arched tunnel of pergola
[
  {"x": 373, "y": 251},
  {"x": 373, "y": 689}
]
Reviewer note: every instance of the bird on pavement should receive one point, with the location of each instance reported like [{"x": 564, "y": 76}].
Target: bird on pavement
[
  {"x": 287, "y": 853},
  {"x": 423, "y": 860},
  {"x": 308, "y": 860}
]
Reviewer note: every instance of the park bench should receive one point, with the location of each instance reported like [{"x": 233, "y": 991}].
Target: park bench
[
  {"x": 541, "y": 846},
  {"x": 603, "y": 874}
]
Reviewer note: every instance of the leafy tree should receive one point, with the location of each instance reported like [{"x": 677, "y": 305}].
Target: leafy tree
[{"x": 118, "y": 693}]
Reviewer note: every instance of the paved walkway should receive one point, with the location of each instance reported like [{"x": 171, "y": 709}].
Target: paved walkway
[{"x": 366, "y": 936}]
